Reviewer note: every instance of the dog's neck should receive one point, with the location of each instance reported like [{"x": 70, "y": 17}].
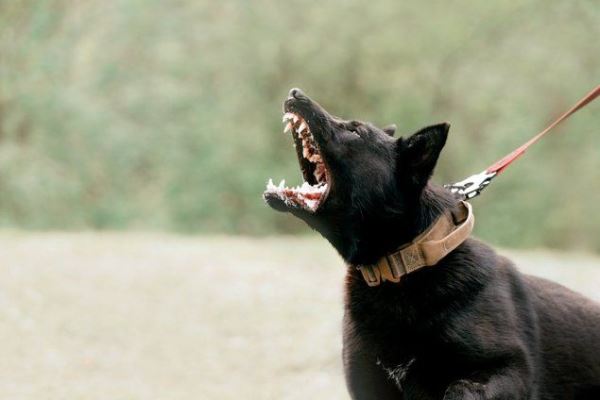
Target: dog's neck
[
  {"x": 390, "y": 230},
  {"x": 434, "y": 201},
  {"x": 464, "y": 271},
  {"x": 427, "y": 249}
]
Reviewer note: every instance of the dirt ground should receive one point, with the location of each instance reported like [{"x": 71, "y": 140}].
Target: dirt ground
[{"x": 143, "y": 316}]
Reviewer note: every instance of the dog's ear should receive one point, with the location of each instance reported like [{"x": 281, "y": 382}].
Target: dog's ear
[
  {"x": 390, "y": 129},
  {"x": 419, "y": 153}
]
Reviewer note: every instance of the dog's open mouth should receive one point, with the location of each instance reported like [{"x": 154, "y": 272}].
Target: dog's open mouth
[{"x": 310, "y": 194}]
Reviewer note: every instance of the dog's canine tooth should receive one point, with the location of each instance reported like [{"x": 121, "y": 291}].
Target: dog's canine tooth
[
  {"x": 302, "y": 127},
  {"x": 287, "y": 128}
]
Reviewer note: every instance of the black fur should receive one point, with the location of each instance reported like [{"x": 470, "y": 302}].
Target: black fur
[{"x": 471, "y": 327}]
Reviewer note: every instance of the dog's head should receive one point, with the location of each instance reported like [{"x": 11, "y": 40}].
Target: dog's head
[{"x": 362, "y": 188}]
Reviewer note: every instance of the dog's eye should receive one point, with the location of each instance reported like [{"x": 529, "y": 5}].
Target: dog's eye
[{"x": 355, "y": 128}]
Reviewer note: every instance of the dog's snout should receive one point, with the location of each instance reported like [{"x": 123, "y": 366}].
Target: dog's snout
[{"x": 295, "y": 93}]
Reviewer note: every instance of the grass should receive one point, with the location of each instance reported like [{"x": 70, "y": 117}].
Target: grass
[{"x": 144, "y": 316}]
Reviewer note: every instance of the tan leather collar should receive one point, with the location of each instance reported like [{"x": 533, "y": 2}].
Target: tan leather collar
[{"x": 427, "y": 249}]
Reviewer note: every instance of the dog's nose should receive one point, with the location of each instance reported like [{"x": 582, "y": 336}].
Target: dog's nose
[{"x": 295, "y": 93}]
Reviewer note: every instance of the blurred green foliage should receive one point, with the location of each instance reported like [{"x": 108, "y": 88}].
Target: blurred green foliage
[{"x": 166, "y": 115}]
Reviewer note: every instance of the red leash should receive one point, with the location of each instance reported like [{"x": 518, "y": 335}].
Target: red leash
[{"x": 473, "y": 185}]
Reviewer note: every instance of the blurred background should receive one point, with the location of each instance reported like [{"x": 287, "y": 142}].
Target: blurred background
[{"x": 137, "y": 258}]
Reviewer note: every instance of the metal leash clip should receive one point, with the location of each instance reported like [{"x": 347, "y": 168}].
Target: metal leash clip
[{"x": 473, "y": 185}]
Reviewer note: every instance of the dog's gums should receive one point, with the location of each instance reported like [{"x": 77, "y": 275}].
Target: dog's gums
[{"x": 312, "y": 192}]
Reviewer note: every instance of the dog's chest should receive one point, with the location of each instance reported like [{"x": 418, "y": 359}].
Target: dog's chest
[{"x": 398, "y": 372}]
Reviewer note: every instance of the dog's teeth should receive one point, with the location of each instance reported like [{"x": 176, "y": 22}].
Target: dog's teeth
[
  {"x": 281, "y": 184},
  {"x": 287, "y": 116},
  {"x": 295, "y": 118},
  {"x": 302, "y": 127},
  {"x": 305, "y": 152},
  {"x": 287, "y": 128}
]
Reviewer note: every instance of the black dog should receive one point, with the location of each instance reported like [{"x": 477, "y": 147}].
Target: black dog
[{"x": 469, "y": 327}]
